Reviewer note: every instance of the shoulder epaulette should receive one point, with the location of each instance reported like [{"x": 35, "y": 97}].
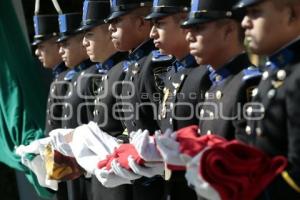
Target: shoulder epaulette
[
  {"x": 158, "y": 57},
  {"x": 251, "y": 72},
  {"x": 69, "y": 75}
]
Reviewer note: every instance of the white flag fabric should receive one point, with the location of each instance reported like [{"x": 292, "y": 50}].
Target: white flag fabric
[{"x": 91, "y": 145}]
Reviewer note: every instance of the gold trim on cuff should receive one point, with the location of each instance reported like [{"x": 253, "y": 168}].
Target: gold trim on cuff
[{"x": 290, "y": 181}]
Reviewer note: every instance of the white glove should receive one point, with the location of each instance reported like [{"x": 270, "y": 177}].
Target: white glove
[
  {"x": 122, "y": 172},
  {"x": 60, "y": 141},
  {"x": 90, "y": 144},
  {"x": 145, "y": 146},
  {"x": 169, "y": 148},
  {"x": 149, "y": 170},
  {"x": 194, "y": 179},
  {"x": 109, "y": 178}
]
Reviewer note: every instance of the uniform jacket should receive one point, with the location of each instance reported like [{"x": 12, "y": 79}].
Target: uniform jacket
[
  {"x": 232, "y": 85},
  {"x": 73, "y": 111},
  {"x": 54, "y": 109},
  {"x": 185, "y": 86},
  {"x": 277, "y": 130},
  {"x": 106, "y": 114},
  {"x": 141, "y": 89}
]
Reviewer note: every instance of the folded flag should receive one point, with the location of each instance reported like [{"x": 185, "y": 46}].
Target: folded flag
[
  {"x": 234, "y": 170},
  {"x": 184, "y": 143},
  {"x": 61, "y": 167},
  {"x": 90, "y": 144}
]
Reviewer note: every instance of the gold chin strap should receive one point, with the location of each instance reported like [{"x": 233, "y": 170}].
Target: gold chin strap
[
  {"x": 37, "y": 7},
  {"x": 290, "y": 181},
  {"x": 57, "y": 7}
]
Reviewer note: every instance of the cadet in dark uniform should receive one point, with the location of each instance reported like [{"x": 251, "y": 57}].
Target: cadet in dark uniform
[
  {"x": 274, "y": 123},
  {"x": 185, "y": 83},
  {"x": 215, "y": 38},
  {"x": 74, "y": 55},
  {"x": 139, "y": 102},
  {"x": 47, "y": 50},
  {"x": 99, "y": 81}
]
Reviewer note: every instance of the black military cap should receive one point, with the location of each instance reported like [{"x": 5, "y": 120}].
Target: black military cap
[
  {"x": 246, "y": 3},
  {"x": 203, "y": 11},
  {"x": 45, "y": 27},
  {"x": 68, "y": 25},
  {"x": 123, "y": 7},
  {"x": 94, "y": 13},
  {"x": 162, "y": 8}
]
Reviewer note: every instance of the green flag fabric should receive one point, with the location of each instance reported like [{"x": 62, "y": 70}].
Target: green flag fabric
[{"x": 23, "y": 94}]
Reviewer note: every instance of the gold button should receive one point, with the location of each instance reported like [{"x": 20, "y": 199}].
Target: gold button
[
  {"x": 248, "y": 130},
  {"x": 171, "y": 105},
  {"x": 281, "y": 75},
  {"x": 182, "y": 77},
  {"x": 258, "y": 131},
  {"x": 206, "y": 95},
  {"x": 271, "y": 93},
  {"x": 254, "y": 92},
  {"x": 218, "y": 78},
  {"x": 249, "y": 111},
  {"x": 219, "y": 94},
  {"x": 265, "y": 75},
  {"x": 202, "y": 113}
]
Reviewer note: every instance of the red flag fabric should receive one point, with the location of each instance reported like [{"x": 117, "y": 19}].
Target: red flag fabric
[
  {"x": 121, "y": 154},
  {"x": 191, "y": 143},
  {"x": 238, "y": 171}
]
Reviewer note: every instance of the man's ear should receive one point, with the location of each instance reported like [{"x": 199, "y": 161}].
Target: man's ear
[
  {"x": 141, "y": 22},
  {"x": 229, "y": 29},
  {"x": 294, "y": 12},
  {"x": 291, "y": 14}
]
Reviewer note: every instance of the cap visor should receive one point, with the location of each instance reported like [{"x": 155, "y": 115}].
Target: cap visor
[
  {"x": 192, "y": 22},
  {"x": 89, "y": 26},
  {"x": 62, "y": 38},
  {"x": 36, "y": 42},
  {"x": 245, "y": 3},
  {"x": 155, "y": 15},
  {"x": 115, "y": 15}
]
